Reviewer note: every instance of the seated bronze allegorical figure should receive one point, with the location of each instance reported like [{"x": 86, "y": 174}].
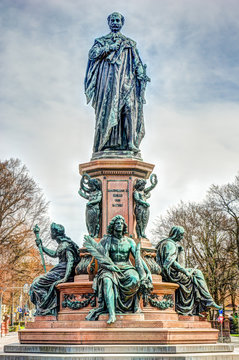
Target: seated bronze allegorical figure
[
  {"x": 117, "y": 281},
  {"x": 192, "y": 297},
  {"x": 43, "y": 293}
]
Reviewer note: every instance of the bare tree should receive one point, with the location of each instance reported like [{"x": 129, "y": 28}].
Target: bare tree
[
  {"x": 225, "y": 199},
  {"x": 22, "y": 205},
  {"x": 207, "y": 242}
]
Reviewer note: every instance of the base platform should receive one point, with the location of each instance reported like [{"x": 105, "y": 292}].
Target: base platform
[
  {"x": 149, "y": 326},
  {"x": 128, "y": 329},
  {"x": 116, "y": 352}
]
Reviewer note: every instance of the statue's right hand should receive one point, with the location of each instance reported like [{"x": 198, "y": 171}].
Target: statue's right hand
[
  {"x": 116, "y": 269},
  {"x": 115, "y": 46}
]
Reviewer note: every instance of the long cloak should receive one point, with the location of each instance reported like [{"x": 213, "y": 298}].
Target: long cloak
[
  {"x": 192, "y": 297},
  {"x": 43, "y": 293},
  {"x": 116, "y": 93}
]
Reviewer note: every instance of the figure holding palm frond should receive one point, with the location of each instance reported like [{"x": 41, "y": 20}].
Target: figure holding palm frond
[{"x": 117, "y": 281}]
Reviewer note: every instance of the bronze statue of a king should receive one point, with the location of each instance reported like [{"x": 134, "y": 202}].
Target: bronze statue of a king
[{"x": 115, "y": 82}]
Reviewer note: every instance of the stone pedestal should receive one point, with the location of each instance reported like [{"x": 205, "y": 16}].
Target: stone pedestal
[
  {"x": 117, "y": 177},
  {"x": 157, "y": 323}
]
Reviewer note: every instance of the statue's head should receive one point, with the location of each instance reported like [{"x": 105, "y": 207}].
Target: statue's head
[
  {"x": 57, "y": 230},
  {"x": 140, "y": 184},
  {"x": 176, "y": 233},
  {"x": 117, "y": 223},
  {"x": 115, "y": 21},
  {"x": 94, "y": 184}
]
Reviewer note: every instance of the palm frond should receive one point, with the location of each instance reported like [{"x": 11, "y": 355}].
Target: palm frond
[{"x": 98, "y": 252}]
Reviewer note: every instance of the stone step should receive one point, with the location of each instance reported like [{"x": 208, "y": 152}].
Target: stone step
[
  {"x": 215, "y": 356},
  {"x": 119, "y": 324},
  {"x": 118, "y": 349},
  {"x": 119, "y": 352},
  {"x": 149, "y": 315},
  {"x": 112, "y": 335}
]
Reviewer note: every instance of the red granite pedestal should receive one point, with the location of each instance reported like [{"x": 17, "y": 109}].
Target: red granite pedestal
[
  {"x": 157, "y": 323},
  {"x": 151, "y": 326}
]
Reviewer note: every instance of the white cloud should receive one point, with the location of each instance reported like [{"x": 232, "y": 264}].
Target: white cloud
[{"x": 191, "y": 113}]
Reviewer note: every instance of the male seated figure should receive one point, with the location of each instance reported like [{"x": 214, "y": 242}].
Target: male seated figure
[{"x": 117, "y": 281}]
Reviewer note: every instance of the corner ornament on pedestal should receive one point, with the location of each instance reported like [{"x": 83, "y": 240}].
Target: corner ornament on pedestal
[
  {"x": 164, "y": 304},
  {"x": 117, "y": 283},
  {"x": 73, "y": 304},
  {"x": 141, "y": 194},
  {"x": 91, "y": 190},
  {"x": 43, "y": 293},
  {"x": 192, "y": 297}
]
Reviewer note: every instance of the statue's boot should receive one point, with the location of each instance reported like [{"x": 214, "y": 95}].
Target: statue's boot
[{"x": 133, "y": 148}]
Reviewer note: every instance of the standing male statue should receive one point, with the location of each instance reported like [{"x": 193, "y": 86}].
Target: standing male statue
[{"x": 115, "y": 82}]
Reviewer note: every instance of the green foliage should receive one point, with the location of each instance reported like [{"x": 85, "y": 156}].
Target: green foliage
[{"x": 13, "y": 328}]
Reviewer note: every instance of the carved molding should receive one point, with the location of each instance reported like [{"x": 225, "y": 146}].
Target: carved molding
[
  {"x": 73, "y": 304},
  {"x": 165, "y": 303}
]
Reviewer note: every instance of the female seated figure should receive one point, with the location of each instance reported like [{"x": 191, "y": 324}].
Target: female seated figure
[
  {"x": 43, "y": 289},
  {"x": 117, "y": 281},
  {"x": 192, "y": 296}
]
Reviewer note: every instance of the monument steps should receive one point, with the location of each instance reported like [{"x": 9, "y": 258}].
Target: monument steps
[
  {"x": 116, "y": 352},
  {"x": 115, "y": 335},
  {"x": 119, "y": 324},
  {"x": 148, "y": 315}
]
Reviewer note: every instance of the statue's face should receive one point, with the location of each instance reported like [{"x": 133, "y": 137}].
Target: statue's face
[
  {"x": 119, "y": 225},
  {"x": 115, "y": 23},
  {"x": 53, "y": 234},
  {"x": 142, "y": 186},
  {"x": 92, "y": 185},
  {"x": 180, "y": 236}
]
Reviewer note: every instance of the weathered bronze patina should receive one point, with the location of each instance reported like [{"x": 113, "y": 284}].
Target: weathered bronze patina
[
  {"x": 192, "y": 296},
  {"x": 91, "y": 190},
  {"x": 141, "y": 194},
  {"x": 43, "y": 291},
  {"x": 115, "y": 82},
  {"x": 117, "y": 282}
]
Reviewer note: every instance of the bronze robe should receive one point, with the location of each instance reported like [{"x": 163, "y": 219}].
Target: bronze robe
[{"x": 116, "y": 93}]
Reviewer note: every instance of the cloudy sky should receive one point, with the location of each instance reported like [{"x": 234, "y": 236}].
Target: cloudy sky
[{"x": 191, "y": 49}]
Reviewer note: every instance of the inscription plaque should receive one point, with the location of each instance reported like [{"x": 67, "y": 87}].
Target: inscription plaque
[{"x": 117, "y": 199}]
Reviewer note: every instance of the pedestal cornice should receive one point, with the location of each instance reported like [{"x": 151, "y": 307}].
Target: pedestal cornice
[{"x": 117, "y": 166}]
